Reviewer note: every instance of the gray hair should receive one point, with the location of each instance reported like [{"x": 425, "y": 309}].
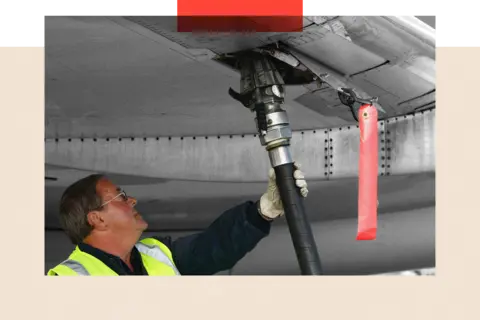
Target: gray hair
[{"x": 77, "y": 201}]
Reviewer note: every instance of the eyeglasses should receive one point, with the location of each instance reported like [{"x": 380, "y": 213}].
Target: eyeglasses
[{"x": 121, "y": 194}]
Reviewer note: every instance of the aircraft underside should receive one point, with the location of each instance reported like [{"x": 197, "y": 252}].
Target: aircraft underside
[{"x": 150, "y": 107}]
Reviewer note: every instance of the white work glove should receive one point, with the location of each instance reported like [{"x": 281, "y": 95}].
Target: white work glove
[{"x": 271, "y": 205}]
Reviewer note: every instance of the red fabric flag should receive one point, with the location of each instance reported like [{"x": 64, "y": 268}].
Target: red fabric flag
[{"x": 368, "y": 173}]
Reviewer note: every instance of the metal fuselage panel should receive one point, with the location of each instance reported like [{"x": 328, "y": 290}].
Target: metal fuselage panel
[{"x": 406, "y": 146}]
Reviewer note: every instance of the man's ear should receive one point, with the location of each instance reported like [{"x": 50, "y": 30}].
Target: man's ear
[{"x": 96, "y": 220}]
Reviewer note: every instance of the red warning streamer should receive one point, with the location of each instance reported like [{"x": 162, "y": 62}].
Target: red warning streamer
[{"x": 368, "y": 173}]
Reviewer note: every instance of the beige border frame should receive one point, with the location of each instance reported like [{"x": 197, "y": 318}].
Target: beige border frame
[{"x": 451, "y": 294}]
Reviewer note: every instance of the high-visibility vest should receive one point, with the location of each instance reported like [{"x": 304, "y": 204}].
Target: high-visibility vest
[{"x": 156, "y": 257}]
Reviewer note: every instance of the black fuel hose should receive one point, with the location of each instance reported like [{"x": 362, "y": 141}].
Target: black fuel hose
[{"x": 300, "y": 230}]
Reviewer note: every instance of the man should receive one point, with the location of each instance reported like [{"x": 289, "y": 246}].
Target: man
[{"x": 101, "y": 220}]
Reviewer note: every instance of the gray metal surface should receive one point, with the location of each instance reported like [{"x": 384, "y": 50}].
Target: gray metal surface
[
  {"x": 389, "y": 37},
  {"x": 399, "y": 82},
  {"x": 341, "y": 54},
  {"x": 409, "y": 142}
]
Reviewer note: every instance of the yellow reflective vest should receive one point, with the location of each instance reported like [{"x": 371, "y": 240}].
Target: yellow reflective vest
[{"x": 156, "y": 257}]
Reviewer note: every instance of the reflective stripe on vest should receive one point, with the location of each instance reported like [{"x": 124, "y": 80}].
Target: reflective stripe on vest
[
  {"x": 76, "y": 266},
  {"x": 156, "y": 253}
]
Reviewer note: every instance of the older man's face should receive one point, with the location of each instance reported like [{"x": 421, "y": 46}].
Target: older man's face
[{"x": 119, "y": 213}]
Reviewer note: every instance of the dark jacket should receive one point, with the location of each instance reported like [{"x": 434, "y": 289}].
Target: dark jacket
[{"x": 219, "y": 247}]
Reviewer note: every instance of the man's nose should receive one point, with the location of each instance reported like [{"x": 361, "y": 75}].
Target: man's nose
[{"x": 132, "y": 201}]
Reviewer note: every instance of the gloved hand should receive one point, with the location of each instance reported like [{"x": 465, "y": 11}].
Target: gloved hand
[{"x": 271, "y": 205}]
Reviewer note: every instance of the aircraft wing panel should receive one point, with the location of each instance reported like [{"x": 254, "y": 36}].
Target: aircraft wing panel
[
  {"x": 392, "y": 58},
  {"x": 339, "y": 53},
  {"x": 398, "y": 81}
]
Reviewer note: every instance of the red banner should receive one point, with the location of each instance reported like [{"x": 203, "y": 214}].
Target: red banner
[
  {"x": 246, "y": 16},
  {"x": 368, "y": 173},
  {"x": 242, "y": 8},
  {"x": 427, "y": 4}
]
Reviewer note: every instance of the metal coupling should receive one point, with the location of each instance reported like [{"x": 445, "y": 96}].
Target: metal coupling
[{"x": 277, "y": 127}]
